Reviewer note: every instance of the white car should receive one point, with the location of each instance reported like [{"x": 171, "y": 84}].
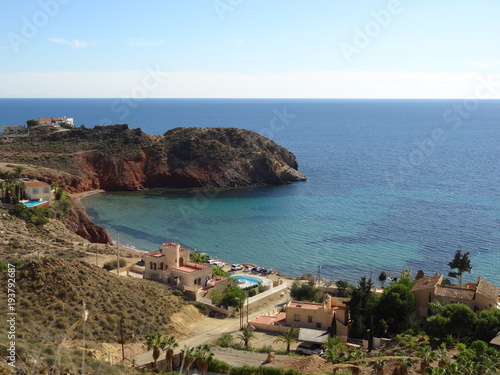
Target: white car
[
  {"x": 236, "y": 267},
  {"x": 218, "y": 264}
]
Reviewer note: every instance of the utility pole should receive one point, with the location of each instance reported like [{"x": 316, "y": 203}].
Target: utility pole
[
  {"x": 118, "y": 254},
  {"x": 121, "y": 333}
]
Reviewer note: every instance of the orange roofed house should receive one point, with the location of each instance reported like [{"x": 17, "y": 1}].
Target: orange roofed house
[
  {"x": 318, "y": 315},
  {"x": 37, "y": 190},
  {"x": 478, "y": 296},
  {"x": 171, "y": 265}
]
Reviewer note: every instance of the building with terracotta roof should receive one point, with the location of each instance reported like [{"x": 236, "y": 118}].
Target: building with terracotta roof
[
  {"x": 56, "y": 121},
  {"x": 38, "y": 191},
  {"x": 170, "y": 265},
  {"x": 478, "y": 296}
]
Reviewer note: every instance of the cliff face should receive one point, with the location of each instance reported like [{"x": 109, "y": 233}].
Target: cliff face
[{"x": 118, "y": 158}]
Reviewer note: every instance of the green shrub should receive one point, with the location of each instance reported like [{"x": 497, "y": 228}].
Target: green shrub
[
  {"x": 218, "y": 366},
  {"x": 225, "y": 340},
  {"x": 112, "y": 264}
]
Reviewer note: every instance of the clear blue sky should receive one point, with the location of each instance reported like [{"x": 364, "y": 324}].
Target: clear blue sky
[{"x": 249, "y": 48}]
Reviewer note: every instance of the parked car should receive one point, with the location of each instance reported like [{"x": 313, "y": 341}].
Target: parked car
[
  {"x": 236, "y": 267},
  {"x": 256, "y": 269},
  {"x": 309, "y": 349},
  {"x": 264, "y": 271},
  {"x": 219, "y": 264},
  {"x": 211, "y": 261}
]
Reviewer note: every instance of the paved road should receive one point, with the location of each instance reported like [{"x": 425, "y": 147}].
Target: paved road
[{"x": 208, "y": 329}]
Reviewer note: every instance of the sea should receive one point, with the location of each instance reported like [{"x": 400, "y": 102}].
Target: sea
[{"x": 392, "y": 184}]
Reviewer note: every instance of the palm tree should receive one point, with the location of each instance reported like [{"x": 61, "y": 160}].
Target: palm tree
[
  {"x": 169, "y": 344},
  {"x": 20, "y": 187},
  {"x": 154, "y": 341},
  {"x": 18, "y": 170},
  {"x": 187, "y": 358},
  {"x": 289, "y": 336},
  {"x": 403, "y": 363},
  {"x": 427, "y": 356},
  {"x": 379, "y": 365},
  {"x": 443, "y": 357},
  {"x": 203, "y": 355},
  {"x": 246, "y": 335}
]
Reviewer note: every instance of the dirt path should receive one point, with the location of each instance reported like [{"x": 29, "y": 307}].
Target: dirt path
[{"x": 208, "y": 329}]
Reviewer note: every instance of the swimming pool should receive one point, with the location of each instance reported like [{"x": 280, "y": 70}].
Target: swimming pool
[
  {"x": 33, "y": 203},
  {"x": 247, "y": 280}
]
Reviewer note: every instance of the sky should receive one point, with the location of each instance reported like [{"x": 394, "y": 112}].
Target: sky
[{"x": 250, "y": 49}]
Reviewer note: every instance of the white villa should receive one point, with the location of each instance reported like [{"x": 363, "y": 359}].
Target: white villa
[{"x": 37, "y": 190}]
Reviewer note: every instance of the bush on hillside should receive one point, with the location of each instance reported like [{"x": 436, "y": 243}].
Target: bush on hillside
[{"x": 112, "y": 264}]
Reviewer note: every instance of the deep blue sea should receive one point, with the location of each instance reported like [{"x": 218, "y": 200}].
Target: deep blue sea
[{"x": 392, "y": 184}]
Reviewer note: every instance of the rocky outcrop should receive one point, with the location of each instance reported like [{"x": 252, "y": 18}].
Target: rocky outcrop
[
  {"x": 78, "y": 222},
  {"x": 119, "y": 158}
]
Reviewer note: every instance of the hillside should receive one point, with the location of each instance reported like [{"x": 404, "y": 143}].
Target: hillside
[
  {"x": 119, "y": 158},
  {"x": 52, "y": 295}
]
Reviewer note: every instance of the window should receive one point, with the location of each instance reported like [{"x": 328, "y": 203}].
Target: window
[
  {"x": 296, "y": 317},
  {"x": 35, "y": 190},
  {"x": 46, "y": 190},
  {"x": 309, "y": 319},
  {"x": 150, "y": 265},
  {"x": 318, "y": 325}
]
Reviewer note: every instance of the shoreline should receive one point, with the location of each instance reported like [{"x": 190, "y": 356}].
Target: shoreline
[{"x": 86, "y": 193}]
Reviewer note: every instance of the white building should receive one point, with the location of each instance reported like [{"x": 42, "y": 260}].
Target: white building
[{"x": 13, "y": 129}]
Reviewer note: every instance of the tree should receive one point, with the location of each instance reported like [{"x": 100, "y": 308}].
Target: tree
[
  {"x": 397, "y": 304},
  {"x": 18, "y": 170},
  {"x": 246, "y": 335},
  {"x": 154, "y": 341},
  {"x": 461, "y": 318},
  {"x": 455, "y": 317},
  {"x": 169, "y": 344},
  {"x": 187, "y": 358},
  {"x": 488, "y": 325},
  {"x": 203, "y": 355},
  {"x": 235, "y": 296},
  {"x": 461, "y": 263},
  {"x": 361, "y": 306},
  {"x": 342, "y": 286},
  {"x": 32, "y": 123},
  {"x": 427, "y": 356},
  {"x": 288, "y": 337},
  {"x": 307, "y": 291}
]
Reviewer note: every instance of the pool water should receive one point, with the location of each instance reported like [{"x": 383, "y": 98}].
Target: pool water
[
  {"x": 33, "y": 203},
  {"x": 248, "y": 280}
]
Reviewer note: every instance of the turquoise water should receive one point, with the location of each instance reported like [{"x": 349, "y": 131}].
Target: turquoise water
[
  {"x": 33, "y": 203},
  {"x": 248, "y": 280},
  {"x": 392, "y": 184}
]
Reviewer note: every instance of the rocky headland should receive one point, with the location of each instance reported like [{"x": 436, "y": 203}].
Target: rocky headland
[{"x": 117, "y": 158}]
